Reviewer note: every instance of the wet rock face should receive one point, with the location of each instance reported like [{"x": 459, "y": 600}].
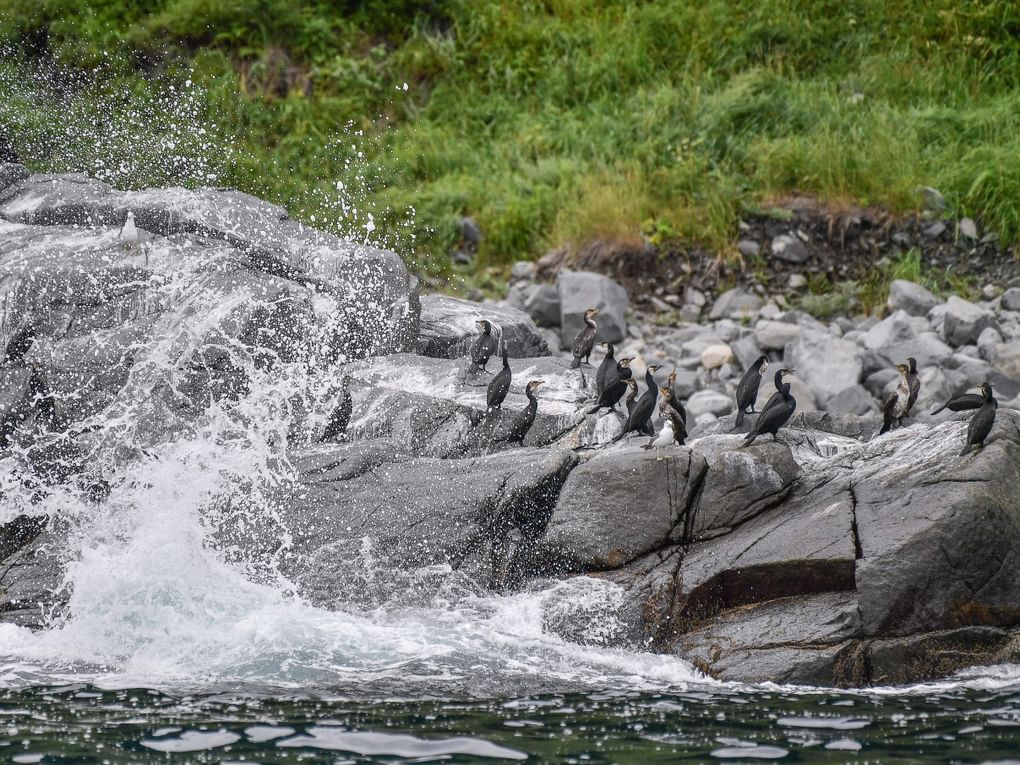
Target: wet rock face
[{"x": 449, "y": 328}]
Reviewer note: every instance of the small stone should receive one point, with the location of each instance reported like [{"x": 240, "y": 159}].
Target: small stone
[
  {"x": 789, "y": 249},
  {"x": 987, "y": 342},
  {"x": 933, "y": 199},
  {"x": 1010, "y": 299},
  {"x": 748, "y": 248},
  {"x": 714, "y": 356},
  {"x": 695, "y": 297},
  {"x": 935, "y": 230},
  {"x": 735, "y": 304},
  {"x": 964, "y": 321},
  {"x": 910, "y": 297},
  {"x": 523, "y": 271},
  {"x": 797, "y": 281},
  {"x": 775, "y": 335},
  {"x": 690, "y": 314},
  {"x": 770, "y": 310},
  {"x": 968, "y": 229},
  {"x": 660, "y": 305},
  {"x": 708, "y": 402},
  {"x": 990, "y": 292}
]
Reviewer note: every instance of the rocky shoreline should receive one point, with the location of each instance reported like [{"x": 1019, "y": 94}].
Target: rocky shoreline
[{"x": 835, "y": 558}]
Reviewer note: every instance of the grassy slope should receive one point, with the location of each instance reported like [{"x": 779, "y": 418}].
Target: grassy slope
[{"x": 560, "y": 120}]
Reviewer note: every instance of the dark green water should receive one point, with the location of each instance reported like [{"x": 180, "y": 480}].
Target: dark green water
[{"x": 80, "y": 724}]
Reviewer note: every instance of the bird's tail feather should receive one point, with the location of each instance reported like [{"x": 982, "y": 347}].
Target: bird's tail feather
[
  {"x": 750, "y": 438},
  {"x": 576, "y": 363},
  {"x": 740, "y": 418}
]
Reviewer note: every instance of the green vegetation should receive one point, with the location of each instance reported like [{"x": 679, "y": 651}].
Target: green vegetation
[{"x": 548, "y": 121}]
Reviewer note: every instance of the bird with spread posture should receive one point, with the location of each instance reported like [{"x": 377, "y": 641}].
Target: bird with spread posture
[
  {"x": 608, "y": 364},
  {"x": 484, "y": 347},
  {"x": 616, "y": 385},
  {"x": 895, "y": 405},
  {"x": 523, "y": 422},
  {"x": 776, "y": 412},
  {"x": 914, "y": 379},
  {"x": 962, "y": 403},
  {"x": 336, "y": 426},
  {"x": 669, "y": 413},
  {"x": 747, "y": 389},
  {"x": 644, "y": 407},
  {"x": 584, "y": 341},
  {"x": 499, "y": 386},
  {"x": 982, "y": 421}
]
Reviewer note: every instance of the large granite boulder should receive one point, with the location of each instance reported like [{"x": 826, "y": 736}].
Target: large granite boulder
[
  {"x": 449, "y": 327},
  {"x": 581, "y": 290}
]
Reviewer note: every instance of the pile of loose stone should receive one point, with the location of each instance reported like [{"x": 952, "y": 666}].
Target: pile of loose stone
[{"x": 844, "y": 365}]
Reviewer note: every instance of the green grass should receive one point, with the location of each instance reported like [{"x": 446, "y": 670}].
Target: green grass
[{"x": 548, "y": 121}]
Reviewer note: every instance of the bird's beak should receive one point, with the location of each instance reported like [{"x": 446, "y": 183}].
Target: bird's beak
[
  {"x": 595, "y": 312},
  {"x": 539, "y": 383}
]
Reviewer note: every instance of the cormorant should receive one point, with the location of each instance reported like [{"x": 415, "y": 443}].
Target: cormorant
[
  {"x": 895, "y": 405},
  {"x": 747, "y": 389},
  {"x": 584, "y": 341},
  {"x": 674, "y": 400},
  {"x": 915, "y": 384},
  {"x": 632, "y": 391},
  {"x": 669, "y": 413},
  {"x": 962, "y": 403},
  {"x": 776, "y": 412},
  {"x": 499, "y": 386},
  {"x": 336, "y": 426},
  {"x": 616, "y": 385},
  {"x": 524, "y": 421},
  {"x": 645, "y": 405},
  {"x": 982, "y": 421},
  {"x": 20, "y": 343},
  {"x": 608, "y": 363},
  {"x": 484, "y": 347}
]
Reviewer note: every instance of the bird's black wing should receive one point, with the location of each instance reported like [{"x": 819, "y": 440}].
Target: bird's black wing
[
  {"x": 962, "y": 403},
  {"x": 747, "y": 389}
]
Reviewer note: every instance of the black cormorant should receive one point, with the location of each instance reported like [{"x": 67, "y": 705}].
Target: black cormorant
[
  {"x": 644, "y": 407},
  {"x": 776, "y": 412},
  {"x": 608, "y": 364},
  {"x": 982, "y": 421},
  {"x": 616, "y": 385},
  {"x": 747, "y": 389},
  {"x": 632, "y": 391},
  {"x": 584, "y": 341},
  {"x": 499, "y": 386},
  {"x": 895, "y": 405},
  {"x": 336, "y": 426},
  {"x": 962, "y": 403},
  {"x": 915, "y": 384},
  {"x": 484, "y": 347},
  {"x": 674, "y": 400},
  {"x": 523, "y": 422},
  {"x": 669, "y": 413}
]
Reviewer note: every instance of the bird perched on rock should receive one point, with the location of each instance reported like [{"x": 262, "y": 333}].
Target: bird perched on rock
[
  {"x": 747, "y": 389},
  {"x": 632, "y": 391},
  {"x": 584, "y": 341},
  {"x": 962, "y": 403},
  {"x": 982, "y": 421},
  {"x": 499, "y": 386},
  {"x": 896, "y": 403},
  {"x": 523, "y": 422},
  {"x": 616, "y": 385},
  {"x": 129, "y": 233},
  {"x": 674, "y": 400},
  {"x": 664, "y": 438},
  {"x": 644, "y": 407},
  {"x": 336, "y": 426},
  {"x": 914, "y": 379},
  {"x": 483, "y": 347},
  {"x": 776, "y": 412},
  {"x": 607, "y": 365},
  {"x": 668, "y": 412}
]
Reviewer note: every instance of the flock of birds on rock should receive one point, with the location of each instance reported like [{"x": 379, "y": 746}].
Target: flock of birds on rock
[{"x": 614, "y": 380}]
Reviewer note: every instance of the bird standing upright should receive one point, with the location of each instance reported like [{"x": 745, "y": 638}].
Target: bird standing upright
[
  {"x": 616, "y": 385},
  {"x": 483, "y": 347},
  {"x": 914, "y": 379},
  {"x": 982, "y": 421},
  {"x": 668, "y": 412},
  {"x": 776, "y": 412},
  {"x": 895, "y": 405},
  {"x": 605, "y": 368},
  {"x": 523, "y": 422},
  {"x": 644, "y": 407},
  {"x": 129, "y": 233},
  {"x": 499, "y": 386},
  {"x": 584, "y": 341},
  {"x": 747, "y": 389}
]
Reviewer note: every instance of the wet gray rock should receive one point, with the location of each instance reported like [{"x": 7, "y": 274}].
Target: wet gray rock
[
  {"x": 32, "y": 571},
  {"x": 735, "y": 304},
  {"x": 910, "y": 297},
  {"x": 1010, "y": 299},
  {"x": 581, "y": 290},
  {"x": 448, "y": 328},
  {"x": 964, "y": 321}
]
